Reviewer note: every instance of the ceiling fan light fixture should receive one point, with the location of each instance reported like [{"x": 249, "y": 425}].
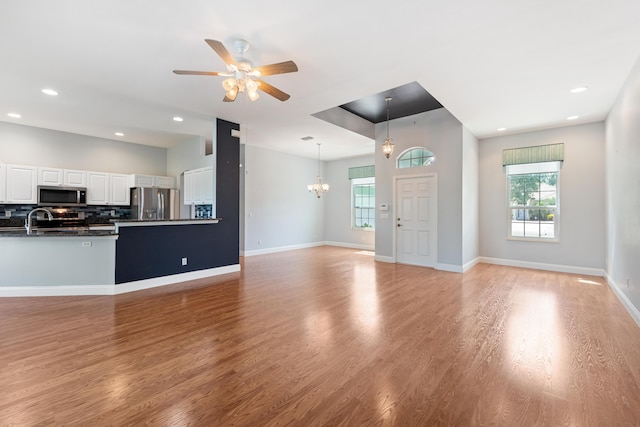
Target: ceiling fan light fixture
[
  {"x": 251, "y": 85},
  {"x": 253, "y": 95},
  {"x": 240, "y": 73},
  {"x": 229, "y": 83},
  {"x": 232, "y": 93}
]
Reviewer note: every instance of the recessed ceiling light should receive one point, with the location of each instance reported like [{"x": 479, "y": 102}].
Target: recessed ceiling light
[
  {"x": 50, "y": 92},
  {"x": 14, "y": 115},
  {"x": 177, "y": 119},
  {"x": 579, "y": 89},
  {"x": 572, "y": 117},
  {"x": 501, "y": 129},
  {"x": 119, "y": 134}
]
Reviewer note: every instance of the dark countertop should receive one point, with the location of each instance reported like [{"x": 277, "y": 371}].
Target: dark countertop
[
  {"x": 22, "y": 232},
  {"x": 162, "y": 222},
  {"x": 177, "y": 221}
]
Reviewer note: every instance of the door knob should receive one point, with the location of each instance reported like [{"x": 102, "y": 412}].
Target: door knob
[{"x": 399, "y": 225}]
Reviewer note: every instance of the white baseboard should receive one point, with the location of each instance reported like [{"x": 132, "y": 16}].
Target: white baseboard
[
  {"x": 155, "y": 282},
  {"x": 544, "y": 266},
  {"x": 110, "y": 289},
  {"x": 282, "y": 249},
  {"x": 383, "y": 258},
  {"x": 449, "y": 267},
  {"x": 470, "y": 264},
  {"x": 631, "y": 309},
  {"x": 351, "y": 246}
]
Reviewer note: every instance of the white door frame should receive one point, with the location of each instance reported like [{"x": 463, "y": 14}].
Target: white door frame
[{"x": 396, "y": 178}]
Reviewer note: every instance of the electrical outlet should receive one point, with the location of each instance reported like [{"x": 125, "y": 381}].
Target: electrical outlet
[
  {"x": 184, "y": 261},
  {"x": 259, "y": 242},
  {"x": 86, "y": 244},
  {"x": 7, "y": 213}
]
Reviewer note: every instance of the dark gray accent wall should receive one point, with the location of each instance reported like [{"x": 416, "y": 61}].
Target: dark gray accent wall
[{"x": 228, "y": 188}]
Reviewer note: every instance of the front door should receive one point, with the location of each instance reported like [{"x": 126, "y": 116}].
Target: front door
[{"x": 416, "y": 207}]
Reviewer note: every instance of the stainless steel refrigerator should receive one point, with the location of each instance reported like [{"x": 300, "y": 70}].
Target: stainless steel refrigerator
[{"x": 151, "y": 203}]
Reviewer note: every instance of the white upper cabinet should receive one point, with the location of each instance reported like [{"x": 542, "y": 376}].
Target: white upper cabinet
[
  {"x": 142, "y": 181},
  {"x": 165, "y": 182},
  {"x": 50, "y": 176},
  {"x": 207, "y": 186},
  {"x": 119, "y": 189},
  {"x": 198, "y": 186},
  {"x": 3, "y": 182},
  {"x": 75, "y": 178},
  {"x": 58, "y": 177},
  {"x": 21, "y": 184},
  {"x": 97, "y": 188},
  {"x": 138, "y": 180}
]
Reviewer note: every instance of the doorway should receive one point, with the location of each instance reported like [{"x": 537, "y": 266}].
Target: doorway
[{"x": 416, "y": 220}]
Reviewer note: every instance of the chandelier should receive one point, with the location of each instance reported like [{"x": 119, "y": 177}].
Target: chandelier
[
  {"x": 318, "y": 187},
  {"x": 387, "y": 147}
]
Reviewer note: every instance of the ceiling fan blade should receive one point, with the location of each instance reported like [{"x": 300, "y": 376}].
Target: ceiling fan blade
[
  {"x": 273, "y": 91},
  {"x": 221, "y": 51},
  {"x": 279, "y": 68},
  {"x": 198, "y": 73}
]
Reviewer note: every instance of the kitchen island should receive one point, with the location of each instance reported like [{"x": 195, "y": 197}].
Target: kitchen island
[{"x": 135, "y": 255}]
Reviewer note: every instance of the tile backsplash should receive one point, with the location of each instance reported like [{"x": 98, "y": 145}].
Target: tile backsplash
[{"x": 91, "y": 213}]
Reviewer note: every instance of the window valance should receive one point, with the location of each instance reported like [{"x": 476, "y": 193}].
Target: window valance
[
  {"x": 536, "y": 154},
  {"x": 362, "y": 172}
]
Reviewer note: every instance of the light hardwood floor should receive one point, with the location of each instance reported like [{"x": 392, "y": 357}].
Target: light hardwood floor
[{"x": 327, "y": 336}]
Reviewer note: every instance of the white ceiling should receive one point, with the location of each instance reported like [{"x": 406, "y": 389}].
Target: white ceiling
[{"x": 491, "y": 63}]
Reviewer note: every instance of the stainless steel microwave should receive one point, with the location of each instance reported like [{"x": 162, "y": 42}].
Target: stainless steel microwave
[{"x": 62, "y": 196}]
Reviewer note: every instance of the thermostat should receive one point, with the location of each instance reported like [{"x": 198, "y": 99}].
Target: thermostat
[{"x": 384, "y": 207}]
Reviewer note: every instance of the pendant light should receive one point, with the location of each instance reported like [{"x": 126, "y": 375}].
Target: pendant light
[
  {"x": 387, "y": 147},
  {"x": 318, "y": 187}
]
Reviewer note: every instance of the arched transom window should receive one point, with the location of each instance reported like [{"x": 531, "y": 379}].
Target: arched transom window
[{"x": 414, "y": 157}]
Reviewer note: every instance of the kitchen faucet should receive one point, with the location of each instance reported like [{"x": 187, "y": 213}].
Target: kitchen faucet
[{"x": 27, "y": 222}]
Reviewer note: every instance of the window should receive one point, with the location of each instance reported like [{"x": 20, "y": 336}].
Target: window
[
  {"x": 533, "y": 199},
  {"x": 415, "y": 157},
  {"x": 363, "y": 203}
]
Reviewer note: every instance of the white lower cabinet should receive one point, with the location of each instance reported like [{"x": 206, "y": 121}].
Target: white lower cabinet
[{"x": 22, "y": 184}]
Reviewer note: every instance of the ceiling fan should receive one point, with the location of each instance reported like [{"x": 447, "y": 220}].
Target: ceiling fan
[{"x": 242, "y": 75}]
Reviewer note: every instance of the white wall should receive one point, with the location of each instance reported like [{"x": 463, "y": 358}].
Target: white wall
[
  {"x": 186, "y": 156},
  {"x": 441, "y": 133},
  {"x": 470, "y": 198},
  {"x": 25, "y": 145},
  {"x": 623, "y": 193},
  {"x": 582, "y": 200},
  {"x": 279, "y": 211},
  {"x": 337, "y": 218}
]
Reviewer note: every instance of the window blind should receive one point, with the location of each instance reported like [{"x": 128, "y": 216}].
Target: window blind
[
  {"x": 362, "y": 172},
  {"x": 537, "y": 154}
]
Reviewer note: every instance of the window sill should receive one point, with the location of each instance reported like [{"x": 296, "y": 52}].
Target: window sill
[
  {"x": 363, "y": 229},
  {"x": 533, "y": 239}
]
